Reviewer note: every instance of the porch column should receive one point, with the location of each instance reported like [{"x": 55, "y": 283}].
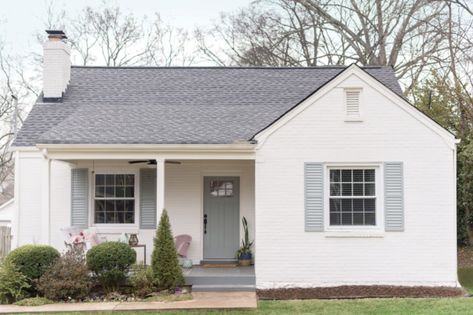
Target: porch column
[
  {"x": 45, "y": 200},
  {"x": 160, "y": 186}
]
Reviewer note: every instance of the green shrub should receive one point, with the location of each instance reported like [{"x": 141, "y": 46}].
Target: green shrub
[
  {"x": 32, "y": 260},
  {"x": 165, "y": 263},
  {"x": 110, "y": 262},
  {"x": 142, "y": 280},
  {"x": 13, "y": 284},
  {"x": 67, "y": 278}
]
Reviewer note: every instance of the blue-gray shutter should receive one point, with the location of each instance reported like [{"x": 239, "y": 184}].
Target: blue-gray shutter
[
  {"x": 147, "y": 198},
  {"x": 80, "y": 197},
  {"x": 314, "y": 197},
  {"x": 394, "y": 196}
]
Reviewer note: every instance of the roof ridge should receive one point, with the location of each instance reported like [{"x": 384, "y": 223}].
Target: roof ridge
[{"x": 229, "y": 67}]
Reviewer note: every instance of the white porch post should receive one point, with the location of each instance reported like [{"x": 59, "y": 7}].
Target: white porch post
[
  {"x": 160, "y": 186},
  {"x": 45, "y": 200}
]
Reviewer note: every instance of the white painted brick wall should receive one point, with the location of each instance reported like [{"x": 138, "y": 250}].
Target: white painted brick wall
[
  {"x": 56, "y": 68},
  {"x": 425, "y": 254}
]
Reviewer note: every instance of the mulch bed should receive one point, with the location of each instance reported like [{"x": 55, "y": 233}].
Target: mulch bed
[{"x": 359, "y": 291}]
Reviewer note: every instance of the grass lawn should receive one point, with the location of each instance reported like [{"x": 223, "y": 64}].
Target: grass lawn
[{"x": 341, "y": 307}]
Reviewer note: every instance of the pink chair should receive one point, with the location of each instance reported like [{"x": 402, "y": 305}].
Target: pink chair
[{"x": 182, "y": 244}]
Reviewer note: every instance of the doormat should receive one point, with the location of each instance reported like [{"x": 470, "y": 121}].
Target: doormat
[{"x": 220, "y": 265}]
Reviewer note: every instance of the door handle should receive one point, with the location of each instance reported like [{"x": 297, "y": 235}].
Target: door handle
[{"x": 205, "y": 223}]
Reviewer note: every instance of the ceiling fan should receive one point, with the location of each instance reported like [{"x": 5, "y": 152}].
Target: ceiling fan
[{"x": 152, "y": 162}]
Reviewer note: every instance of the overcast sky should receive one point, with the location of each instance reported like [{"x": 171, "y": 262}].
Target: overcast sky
[{"x": 20, "y": 19}]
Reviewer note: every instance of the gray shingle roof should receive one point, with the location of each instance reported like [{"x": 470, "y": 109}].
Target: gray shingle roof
[{"x": 175, "y": 105}]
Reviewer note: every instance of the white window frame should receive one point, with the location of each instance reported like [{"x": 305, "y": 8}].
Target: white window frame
[
  {"x": 113, "y": 226},
  {"x": 379, "y": 214}
]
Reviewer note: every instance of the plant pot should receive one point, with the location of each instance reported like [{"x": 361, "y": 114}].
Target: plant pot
[{"x": 244, "y": 259}]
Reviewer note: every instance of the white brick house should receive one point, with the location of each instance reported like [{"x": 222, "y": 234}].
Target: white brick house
[{"x": 343, "y": 182}]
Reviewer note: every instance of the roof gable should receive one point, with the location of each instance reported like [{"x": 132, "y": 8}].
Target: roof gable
[{"x": 372, "y": 80}]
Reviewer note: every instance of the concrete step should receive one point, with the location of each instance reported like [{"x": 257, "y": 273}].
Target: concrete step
[
  {"x": 220, "y": 280},
  {"x": 223, "y": 288}
]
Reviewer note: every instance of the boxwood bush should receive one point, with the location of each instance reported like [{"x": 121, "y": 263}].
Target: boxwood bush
[
  {"x": 110, "y": 262},
  {"x": 67, "y": 278},
  {"x": 32, "y": 260}
]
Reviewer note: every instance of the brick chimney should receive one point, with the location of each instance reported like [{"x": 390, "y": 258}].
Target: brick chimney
[{"x": 56, "y": 66}]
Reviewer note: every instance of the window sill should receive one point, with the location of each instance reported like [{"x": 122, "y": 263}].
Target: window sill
[
  {"x": 353, "y": 119},
  {"x": 354, "y": 234},
  {"x": 115, "y": 229}
]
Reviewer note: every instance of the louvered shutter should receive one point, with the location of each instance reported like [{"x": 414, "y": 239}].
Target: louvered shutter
[
  {"x": 147, "y": 198},
  {"x": 352, "y": 103},
  {"x": 394, "y": 196},
  {"x": 80, "y": 197},
  {"x": 314, "y": 197}
]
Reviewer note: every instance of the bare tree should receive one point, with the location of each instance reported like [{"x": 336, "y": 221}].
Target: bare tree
[
  {"x": 108, "y": 36},
  {"x": 407, "y": 34},
  {"x": 15, "y": 92}
]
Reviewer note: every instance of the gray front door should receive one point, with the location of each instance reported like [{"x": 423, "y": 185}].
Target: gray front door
[{"x": 221, "y": 217}]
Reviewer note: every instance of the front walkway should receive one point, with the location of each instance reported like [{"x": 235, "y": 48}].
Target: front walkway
[{"x": 201, "y": 300}]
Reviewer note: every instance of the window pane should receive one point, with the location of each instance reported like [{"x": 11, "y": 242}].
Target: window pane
[
  {"x": 109, "y": 180},
  {"x": 109, "y": 217},
  {"x": 109, "y": 205},
  {"x": 334, "y": 175},
  {"x": 370, "y": 205},
  {"x": 335, "y": 205},
  {"x": 129, "y": 217},
  {"x": 346, "y": 190},
  {"x": 346, "y": 205},
  {"x": 129, "y": 205},
  {"x": 346, "y": 175},
  {"x": 130, "y": 180},
  {"x": 369, "y": 190},
  {"x": 334, "y": 189},
  {"x": 100, "y": 191},
  {"x": 358, "y": 205},
  {"x": 129, "y": 192},
  {"x": 357, "y": 189},
  {"x": 99, "y": 205},
  {"x": 358, "y": 218},
  {"x": 335, "y": 219},
  {"x": 120, "y": 192},
  {"x": 357, "y": 176},
  {"x": 99, "y": 179},
  {"x": 369, "y": 175},
  {"x": 109, "y": 191},
  {"x": 120, "y": 180},
  {"x": 99, "y": 217},
  {"x": 370, "y": 219},
  {"x": 347, "y": 218},
  {"x": 120, "y": 205}
]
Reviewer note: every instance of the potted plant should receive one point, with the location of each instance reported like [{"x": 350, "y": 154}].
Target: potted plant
[{"x": 244, "y": 252}]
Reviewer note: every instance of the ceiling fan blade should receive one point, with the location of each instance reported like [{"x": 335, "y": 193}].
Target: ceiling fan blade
[
  {"x": 174, "y": 162},
  {"x": 138, "y": 161}
]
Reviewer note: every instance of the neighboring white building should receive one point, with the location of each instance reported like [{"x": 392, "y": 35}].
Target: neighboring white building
[
  {"x": 7, "y": 211},
  {"x": 343, "y": 182}
]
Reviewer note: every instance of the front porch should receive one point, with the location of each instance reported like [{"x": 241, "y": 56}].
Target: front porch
[
  {"x": 220, "y": 279},
  {"x": 182, "y": 186}
]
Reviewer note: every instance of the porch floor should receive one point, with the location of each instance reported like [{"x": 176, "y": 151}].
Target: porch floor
[{"x": 220, "y": 279}]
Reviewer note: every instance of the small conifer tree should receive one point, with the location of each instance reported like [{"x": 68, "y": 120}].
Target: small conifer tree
[{"x": 165, "y": 264}]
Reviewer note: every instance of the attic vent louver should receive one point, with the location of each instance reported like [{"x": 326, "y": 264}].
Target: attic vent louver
[{"x": 352, "y": 104}]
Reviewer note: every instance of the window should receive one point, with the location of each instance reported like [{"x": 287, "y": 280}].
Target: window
[
  {"x": 221, "y": 188},
  {"x": 352, "y": 197},
  {"x": 114, "y": 198}
]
